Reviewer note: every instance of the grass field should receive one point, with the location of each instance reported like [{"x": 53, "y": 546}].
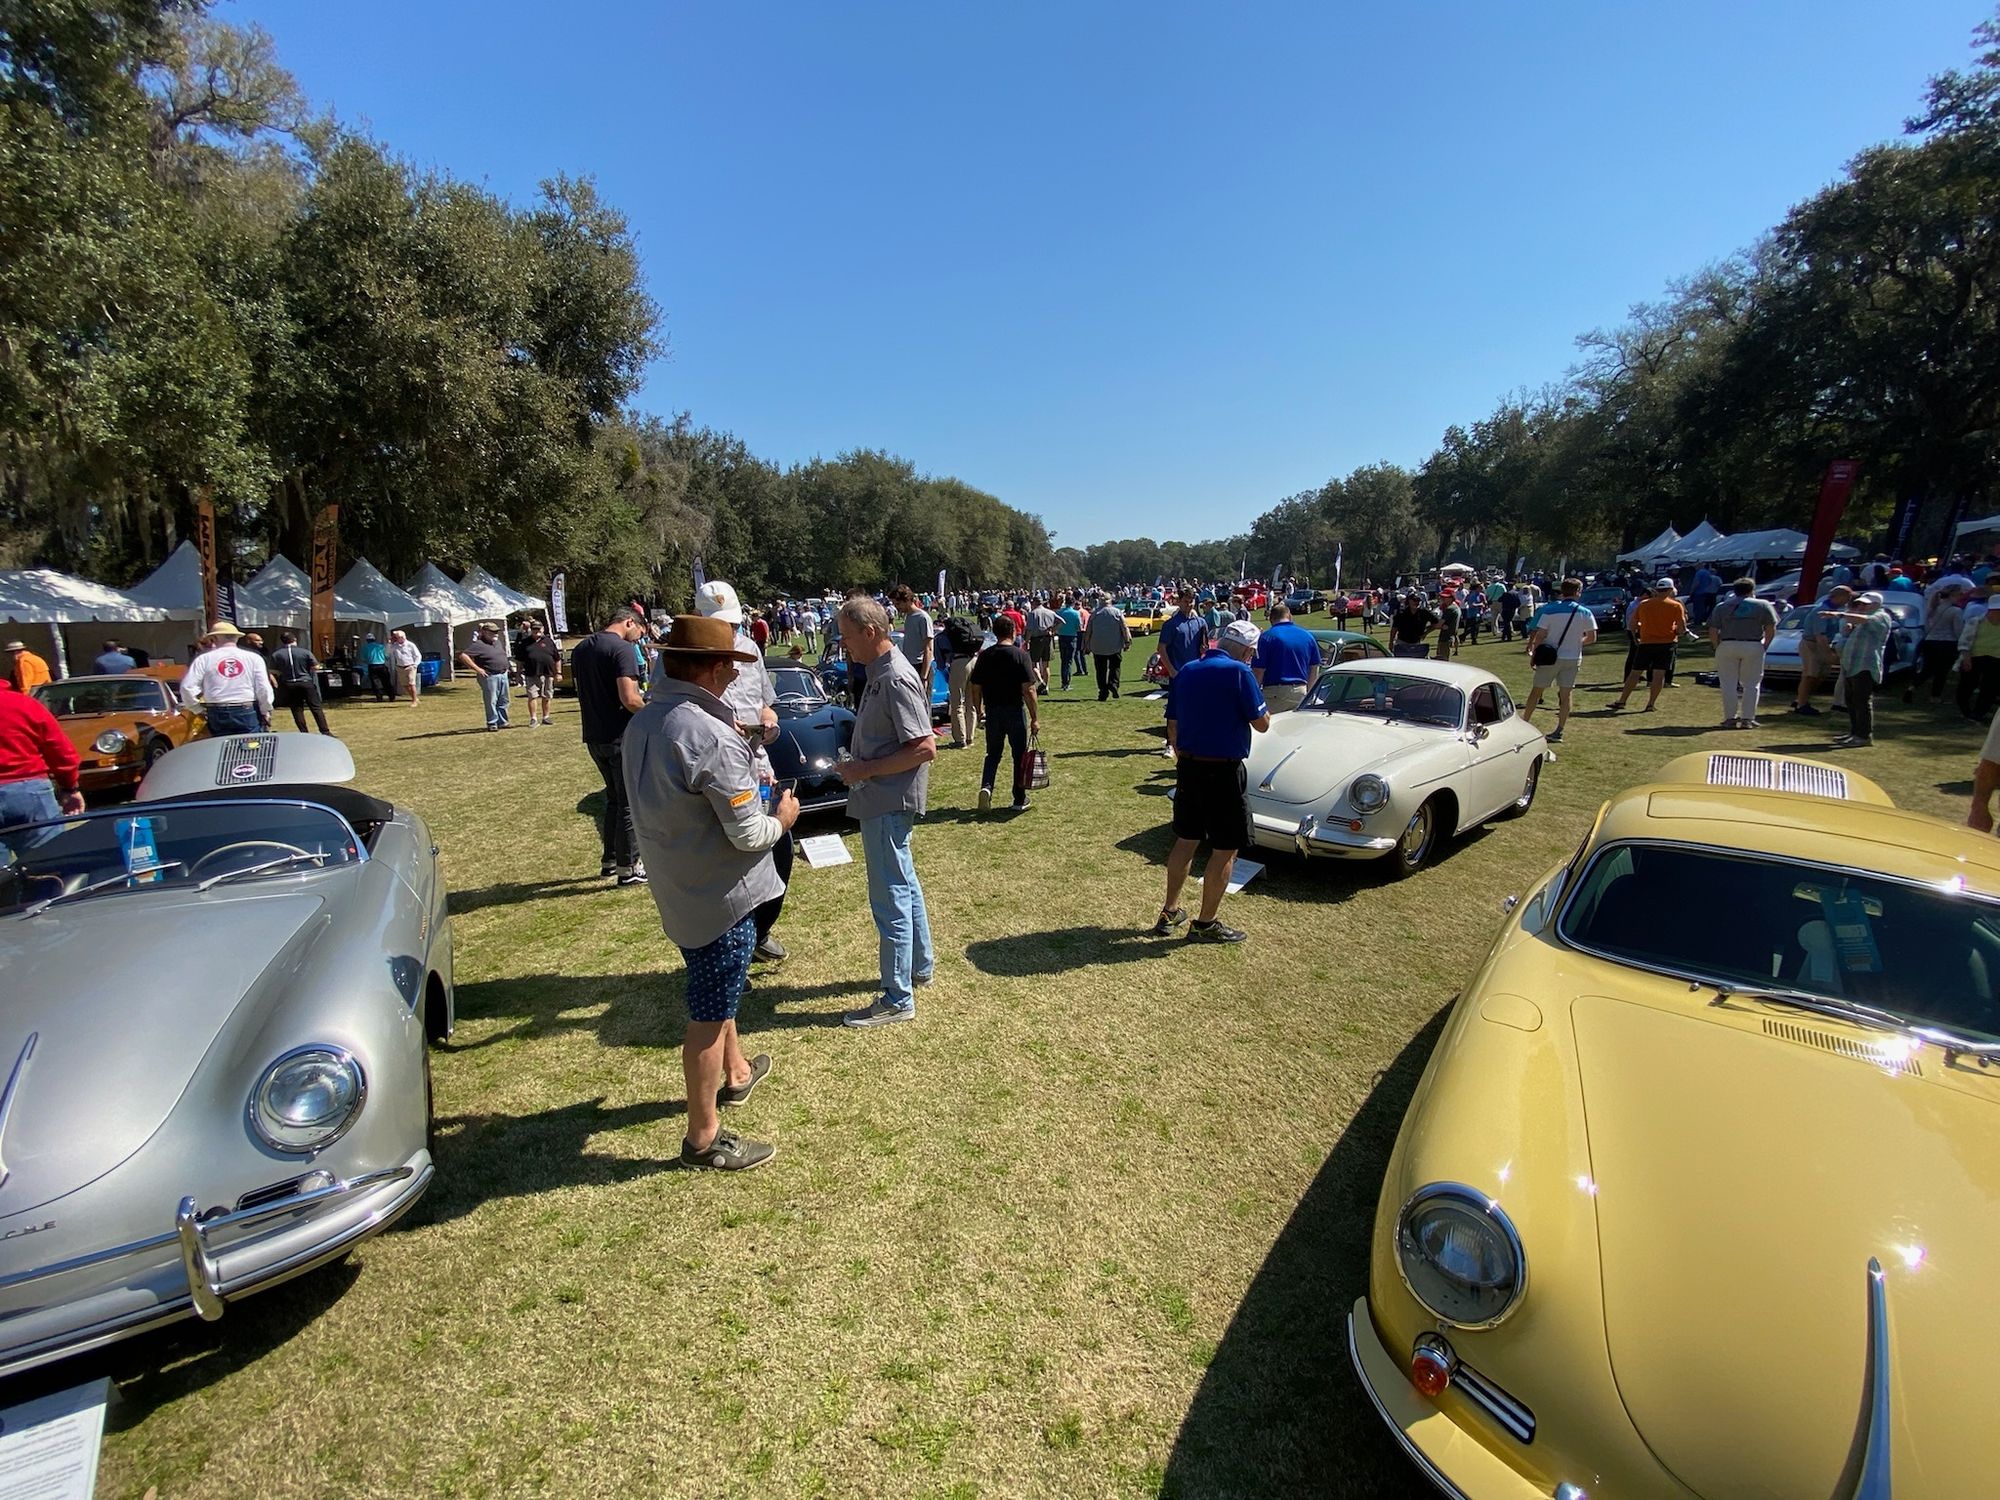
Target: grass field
[{"x": 1089, "y": 1228}]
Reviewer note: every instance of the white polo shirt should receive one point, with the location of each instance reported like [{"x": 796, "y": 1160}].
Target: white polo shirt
[{"x": 228, "y": 675}]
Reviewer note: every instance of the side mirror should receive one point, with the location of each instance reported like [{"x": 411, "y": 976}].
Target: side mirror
[{"x": 1479, "y": 733}]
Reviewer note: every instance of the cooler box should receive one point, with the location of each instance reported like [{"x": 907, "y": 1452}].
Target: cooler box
[{"x": 428, "y": 670}]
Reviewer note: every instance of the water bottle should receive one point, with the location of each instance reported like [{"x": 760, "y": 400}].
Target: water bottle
[{"x": 764, "y": 796}]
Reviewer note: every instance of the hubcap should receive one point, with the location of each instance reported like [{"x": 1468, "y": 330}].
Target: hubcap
[
  {"x": 1528, "y": 791},
  {"x": 1417, "y": 837}
]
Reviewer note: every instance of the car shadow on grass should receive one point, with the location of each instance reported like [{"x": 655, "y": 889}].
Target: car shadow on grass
[
  {"x": 1065, "y": 949},
  {"x": 1279, "y": 1411},
  {"x": 482, "y": 1157},
  {"x": 514, "y": 893}
]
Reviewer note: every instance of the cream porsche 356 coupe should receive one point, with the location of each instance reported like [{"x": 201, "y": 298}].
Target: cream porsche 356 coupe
[
  {"x": 1699, "y": 1195},
  {"x": 1388, "y": 759}
]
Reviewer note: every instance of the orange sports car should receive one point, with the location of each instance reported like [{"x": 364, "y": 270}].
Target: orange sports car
[{"x": 120, "y": 725}]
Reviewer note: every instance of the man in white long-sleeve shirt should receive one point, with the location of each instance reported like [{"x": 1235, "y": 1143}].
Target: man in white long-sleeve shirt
[
  {"x": 706, "y": 838},
  {"x": 234, "y": 685}
]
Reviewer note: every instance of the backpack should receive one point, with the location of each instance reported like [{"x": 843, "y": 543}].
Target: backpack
[{"x": 965, "y": 640}]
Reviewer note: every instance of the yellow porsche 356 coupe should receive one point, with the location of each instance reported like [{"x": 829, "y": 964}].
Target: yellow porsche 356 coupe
[{"x": 1700, "y": 1192}]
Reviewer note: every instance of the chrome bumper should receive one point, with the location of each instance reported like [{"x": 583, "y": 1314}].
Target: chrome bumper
[
  {"x": 1307, "y": 838},
  {"x": 207, "y": 1277}
]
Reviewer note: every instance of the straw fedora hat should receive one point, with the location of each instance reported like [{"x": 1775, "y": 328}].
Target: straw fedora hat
[
  {"x": 703, "y": 635},
  {"x": 222, "y": 628}
]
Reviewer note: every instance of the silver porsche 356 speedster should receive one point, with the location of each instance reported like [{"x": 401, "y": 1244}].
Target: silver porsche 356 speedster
[{"x": 214, "y": 1064}]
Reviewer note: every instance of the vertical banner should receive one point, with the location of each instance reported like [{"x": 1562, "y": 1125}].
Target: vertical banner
[
  {"x": 1902, "y": 521},
  {"x": 204, "y": 546},
  {"x": 1338, "y": 549},
  {"x": 1833, "y": 492},
  {"x": 700, "y": 573},
  {"x": 559, "y": 603},
  {"x": 941, "y": 573},
  {"x": 325, "y": 560}
]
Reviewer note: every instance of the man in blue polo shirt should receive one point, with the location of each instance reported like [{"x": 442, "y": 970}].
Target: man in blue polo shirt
[
  {"x": 1287, "y": 661},
  {"x": 1183, "y": 636},
  {"x": 1212, "y": 705}
]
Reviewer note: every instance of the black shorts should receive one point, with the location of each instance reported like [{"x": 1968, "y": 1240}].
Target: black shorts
[
  {"x": 1658, "y": 658},
  {"x": 1038, "y": 647},
  {"x": 1209, "y": 803}
]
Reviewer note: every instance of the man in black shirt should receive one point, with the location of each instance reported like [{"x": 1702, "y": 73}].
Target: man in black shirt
[
  {"x": 1003, "y": 680},
  {"x": 1409, "y": 625},
  {"x": 486, "y": 658},
  {"x": 295, "y": 681},
  {"x": 605, "y": 668}
]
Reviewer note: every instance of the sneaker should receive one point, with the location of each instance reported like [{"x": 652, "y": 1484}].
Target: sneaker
[
  {"x": 881, "y": 1013},
  {"x": 1748, "y": 724},
  {"x": 1616, "y": 705},
  {"x": 920, "y": 980},
  {"x": 760, "y": 1069},
  {"x": 1806, "y": 709},
  {"x": 633, "y": 874},
  {"x": 1020, "y": 803},
  {"x": 1169, "y": 920},
  {"x": 770, "y": 950},
  {"x": 608, "y": 869},
  {"x": 728, "y": 1152},
  {"x": 1555, "y": 736},
  {"x": 1853, "y": 742},
  {"x": 1729, "y": 724},
  {"x": 1214, "y": 932},
  {"x": 986, "y": 799}
]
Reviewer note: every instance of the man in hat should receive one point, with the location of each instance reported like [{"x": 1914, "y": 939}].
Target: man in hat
[
  {"x": 752, "y": 701},
  {"x": 25, "y": 670},
  {"x": 1656, "y": 624},
  {"x": 233, "y": 685},
  {"x": 1862, "y": 650},
  {"x": 487, "y": 660},
  {"x": 703, "y": 825}
]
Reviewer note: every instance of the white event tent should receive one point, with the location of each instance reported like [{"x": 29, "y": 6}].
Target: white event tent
[
  {"x": 1659, "y": 547},
  {"x": 499, "y": 600},
  {"x": 367, "y": 587},
  {"x": 1967, "y": 528},
  {"x": 72, "y": 610},
  {"x": 457, "y": 606},
  {"x": 1689, "y": 547}
]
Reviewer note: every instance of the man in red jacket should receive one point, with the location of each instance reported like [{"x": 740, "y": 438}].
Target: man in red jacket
[{"x": 38, "y": 764}]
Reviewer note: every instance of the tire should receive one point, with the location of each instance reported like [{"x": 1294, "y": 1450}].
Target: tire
[
  {"x": 1518, "y": 808},
  {"x": 160, "y": 746},
  {"x": 1426, "y": 827}
]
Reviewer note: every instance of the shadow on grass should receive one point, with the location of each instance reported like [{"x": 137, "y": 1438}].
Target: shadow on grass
[
  {"x": 1678, "y": 732},
  {"x": 482, "y": 1157},
  {"x": 1118, "y": 753},
  {"x": 1278, "y": 1411},
  {"x": 1068, "y": 948},
  {"x": 632, "y": 1010},
  {"x": 1955, "y": 788},
  {"x": 444, "y": 734},
  {"x": 514, "y": 893}
]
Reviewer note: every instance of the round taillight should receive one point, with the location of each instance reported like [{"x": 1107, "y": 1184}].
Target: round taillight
[{"x": 1430, "y": 1369}]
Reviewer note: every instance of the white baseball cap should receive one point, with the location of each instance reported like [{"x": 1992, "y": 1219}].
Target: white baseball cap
[
  {"x": 719, "y": 600},
  {"x": 1241, "y": 633}
]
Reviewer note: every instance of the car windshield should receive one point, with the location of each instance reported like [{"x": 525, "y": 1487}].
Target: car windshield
[
  {"x": 1602, "y": 596},
  {"x": 78, "y": 698},
  {"x": 1907, "y": 614},
  {"x": 1795, "y": 618},
  {"x": 150, "y": 846},
  {"x": 797, "y": 685},
  {"x": 1389, "y": 695},
  {"x": 1927, "y": 955}
]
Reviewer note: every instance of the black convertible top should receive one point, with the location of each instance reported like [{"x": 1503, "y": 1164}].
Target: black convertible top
[{"x": 365, "y": 814}]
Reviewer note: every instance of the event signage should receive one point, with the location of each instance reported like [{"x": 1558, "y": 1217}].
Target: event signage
[
  {"x": 205, "y": 548},
  {"x": 1833, "y": 492},
  {"x": 559, "y": 602},
  {"x": 325, "y": 557}
]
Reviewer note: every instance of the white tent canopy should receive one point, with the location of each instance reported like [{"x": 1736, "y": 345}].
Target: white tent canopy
[
  {"x": 1659, "y": 546},
  {"x": 42, "y": 596},
  {"x": 1778, "y": 545},
  {"x": 1967, "y": 528},
  {"x": 499, "y": 600},
  {"x": 1458, "y": 568},
  {"x": 175, "y": 585},
  {"x": 1689, "y": 547},
  {"x": 364, "y": 584},
  {"x": 430, "y": 587}
]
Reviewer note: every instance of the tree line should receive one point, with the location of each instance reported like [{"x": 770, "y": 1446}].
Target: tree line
[{"x": 209, "y": 286}]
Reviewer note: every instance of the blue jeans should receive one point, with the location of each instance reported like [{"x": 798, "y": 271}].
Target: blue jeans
[
  {"x": 493, "y": 690},
  {"x": 898, "y": 904},
  {"x": 232, "y": 718},
  {"x": 32, "y": 801}
]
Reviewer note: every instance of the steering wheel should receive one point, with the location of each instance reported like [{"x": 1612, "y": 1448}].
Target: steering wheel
[{"x": 214, "y": 854}]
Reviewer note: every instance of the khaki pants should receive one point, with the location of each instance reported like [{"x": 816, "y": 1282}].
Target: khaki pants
[
  {"x": 1281, "y": 697},
  {"x": 961, "y": 703}
]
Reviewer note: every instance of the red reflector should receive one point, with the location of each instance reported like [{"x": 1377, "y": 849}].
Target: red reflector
[
  {"x": 1430, "y": 1371},
  {"x": 1354, "y": 825}
]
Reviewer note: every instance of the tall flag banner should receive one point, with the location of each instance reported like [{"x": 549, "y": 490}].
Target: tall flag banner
[
  {"x": 1903, "y": 521},
  {"x": 700, "y": 573},
  {"x": 1834, "y": 489},
  {"x": 325, "y": 568},
  {"x": 559, "y": 603},
  {"x": 941, "y": 573},
  {"x": 205, "y": 548},
  {"x": 1338, "y": 549}
]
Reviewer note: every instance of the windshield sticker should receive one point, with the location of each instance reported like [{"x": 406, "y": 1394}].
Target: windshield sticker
[
  {"x": 140, "y": 849},
  {"x": 1853, "y": 936}
]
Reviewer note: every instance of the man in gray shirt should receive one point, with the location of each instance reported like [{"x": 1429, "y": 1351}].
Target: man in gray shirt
[
  {"x": 917, "y": 645},
  {"x": 1106, "y": 635},
  {"x": 888, "y": 779},
  {"x": 701, "y": 824},
  {"x": 1042, "y": 625},
  {"x": 1741, "y": 628}
]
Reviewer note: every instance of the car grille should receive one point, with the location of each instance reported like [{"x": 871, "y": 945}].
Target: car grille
[
  {"x": 1826, "y": 1041},
  {"x": 246, "y": 758},
  {"x": 1762, "y": 775},
  {"x": 257, "y": 1197}
]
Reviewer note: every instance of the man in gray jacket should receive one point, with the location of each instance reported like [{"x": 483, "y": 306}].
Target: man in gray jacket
[
  {"x": 706, "y": 838},
  {"x": 1106, "y": 636}
]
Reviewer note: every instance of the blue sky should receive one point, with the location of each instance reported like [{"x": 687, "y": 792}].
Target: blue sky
[{"x": 1141, "y": 269}]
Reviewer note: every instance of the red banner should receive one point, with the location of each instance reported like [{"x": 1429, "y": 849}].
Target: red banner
[
  {"x": 325, "y": 568},
  {"x": 205, "y": 547},
  {"x": 1833, "y": 492}
]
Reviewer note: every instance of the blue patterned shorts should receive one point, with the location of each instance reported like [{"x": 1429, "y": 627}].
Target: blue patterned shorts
[{"x": 718, "y": 973}]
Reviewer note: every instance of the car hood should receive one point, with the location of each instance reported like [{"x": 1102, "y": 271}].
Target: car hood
[
  {"x": 123, "y": 1001},
  {"x": 82, "y": 729},
  {"x": 1784, "y": 643},
  {"x": 1307, "y": 756},
  {"x": 1745, "y": 1170}
]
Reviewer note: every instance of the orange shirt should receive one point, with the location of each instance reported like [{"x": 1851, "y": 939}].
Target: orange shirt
[
  {"x": 30, "y": 671},
  {"x": 1657, "y": 620}
]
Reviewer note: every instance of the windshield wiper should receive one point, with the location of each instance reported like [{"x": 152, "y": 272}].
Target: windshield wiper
[
  {"x": 98, "y": 885},
  {"x": 257, "y": 869},
  {"x": 1865, "y": 1015}
]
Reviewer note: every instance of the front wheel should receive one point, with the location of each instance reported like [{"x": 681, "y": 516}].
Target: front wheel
[
  {"x": 1520, "y": 805},
  {"x": 1418, "y": 844}
]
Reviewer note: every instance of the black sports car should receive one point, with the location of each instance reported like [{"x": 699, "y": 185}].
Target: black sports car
[{"x": 812, "y": 731}]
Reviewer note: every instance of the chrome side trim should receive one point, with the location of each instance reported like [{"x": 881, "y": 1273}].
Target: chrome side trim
[
  {"x": 1416, "y": 1455},
  {"x": 1506, "y": 1409},
  {"x": 1873, "y": 1483},
  {"x": 1272, "y": 774},
  {"x": 7, "y": 1096}
]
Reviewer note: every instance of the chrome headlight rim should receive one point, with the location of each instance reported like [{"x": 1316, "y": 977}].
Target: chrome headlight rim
[
  {"x": 1489, "y": 1209},
  {"x": 1377, "y": 793},
  {"x": 112, "y": 742},
  {"x": 348, "y": 1064}
]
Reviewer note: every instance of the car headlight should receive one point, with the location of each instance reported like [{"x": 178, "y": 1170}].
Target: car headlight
[
  {"x": 1368, "y": 794},
  {"x": 1459, "y": 1255},
  {"x": 112, "y": 742},
  {"x": 307, "y": 1099}
]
